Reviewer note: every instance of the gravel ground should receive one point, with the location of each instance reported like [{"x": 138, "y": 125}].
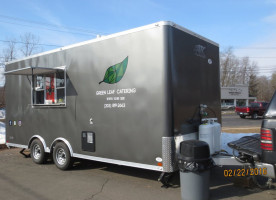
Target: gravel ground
[{"x": 3, "y": 147}]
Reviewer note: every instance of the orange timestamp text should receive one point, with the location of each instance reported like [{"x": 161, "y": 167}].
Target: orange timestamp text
[{"x": 245, "y": 172}]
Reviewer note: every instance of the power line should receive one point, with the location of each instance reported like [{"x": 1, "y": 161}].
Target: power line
[
  {"x": 48, "y": 28},
  {"x": 260, "y": 70},
  {"x": 78, "y": 30},
  {"x": 238, "y": 47},
  {"x": 255, "y": 48},
  {"x": 54, "y": 45},
  {"x": 52, "y": 25},
  {"x": 261, "y": 57}
]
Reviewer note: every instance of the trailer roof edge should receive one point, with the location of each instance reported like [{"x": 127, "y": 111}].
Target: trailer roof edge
[
  {"x": 157, "y": 24},
  {"x": 169, "y": 23}
]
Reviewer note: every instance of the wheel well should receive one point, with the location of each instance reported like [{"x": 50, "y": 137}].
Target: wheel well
[
  {"x": 39, "y": 138},
  {"x": 64, "y": 141},
  {"x": 30, "y": 142}
]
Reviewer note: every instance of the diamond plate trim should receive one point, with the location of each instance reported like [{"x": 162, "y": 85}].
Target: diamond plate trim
[{"x": 168, "y": 154}]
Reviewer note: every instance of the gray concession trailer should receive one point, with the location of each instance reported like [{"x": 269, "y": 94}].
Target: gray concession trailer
[{"x": 128, "y": 98}]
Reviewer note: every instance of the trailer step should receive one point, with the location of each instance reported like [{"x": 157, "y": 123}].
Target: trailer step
[{"x": 249, "y": 145}]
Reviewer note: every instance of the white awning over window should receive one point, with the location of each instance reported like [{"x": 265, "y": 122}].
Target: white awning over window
[{"x": 34, "y": 71}]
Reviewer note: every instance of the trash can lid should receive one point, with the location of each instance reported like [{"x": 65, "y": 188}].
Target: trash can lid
[{"x": 194, "y": 151}]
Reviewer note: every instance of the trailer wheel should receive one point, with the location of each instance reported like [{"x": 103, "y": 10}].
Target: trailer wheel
[
  {"x": 37, "y": 152},
  {"x": 62, "y": 157}
]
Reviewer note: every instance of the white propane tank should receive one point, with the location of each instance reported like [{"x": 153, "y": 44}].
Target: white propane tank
[
  {"x": 206, "y": 134},
  {"x": 217, "y": 135}
]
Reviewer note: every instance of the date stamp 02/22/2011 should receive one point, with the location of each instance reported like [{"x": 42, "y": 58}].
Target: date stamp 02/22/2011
[{"x": 245, "y": 172}]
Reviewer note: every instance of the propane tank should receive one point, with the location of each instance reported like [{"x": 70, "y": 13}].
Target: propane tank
[
  {"x": 217, "y": 134},
  {"x": 206, "y": 134}
]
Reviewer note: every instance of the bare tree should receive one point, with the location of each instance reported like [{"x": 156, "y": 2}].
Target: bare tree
[
  {"x": 273, "y": 81},
  {"x": 10, "y": 51},
  {"x": 265, "y": 90},
  {"x": 29, "y": 44},
  {"x": 247, "y": 69},
  {"x": 236, "y": 70},
  {"x": 253, "y": 85},
  {"x": 228, "y": 68}
]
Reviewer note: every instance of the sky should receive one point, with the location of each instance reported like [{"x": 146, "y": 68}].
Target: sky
[{"x": 248, "y": 26}]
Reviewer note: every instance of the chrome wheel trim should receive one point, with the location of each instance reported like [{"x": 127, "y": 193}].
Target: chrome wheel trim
[
  {"x": 61, "y": 156},
  {"x": 36, "y": 152}
]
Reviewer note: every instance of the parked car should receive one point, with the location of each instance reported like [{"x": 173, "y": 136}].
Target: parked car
[
  {"x": 268, "y": 133},
  {"x": 254, "y": 110},
  {"x": 260, "y": 149},
  {"x": 227, "y": 107}
]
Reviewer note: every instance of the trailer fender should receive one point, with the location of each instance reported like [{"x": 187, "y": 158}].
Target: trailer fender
[
  {"x": 62, "y": 140},
  {"x": 46, "y": 149}
]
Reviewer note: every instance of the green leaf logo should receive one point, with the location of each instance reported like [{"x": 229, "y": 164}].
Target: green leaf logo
[{"x": 115, "y": 73}]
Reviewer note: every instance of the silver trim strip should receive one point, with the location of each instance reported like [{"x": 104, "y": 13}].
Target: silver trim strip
[
  {"x": 154, "y": 25},
  {"x": 106, "y": 160},
  {"x": 66, "y": 142},
  {"x": 119, "y": 162},
  {"x": 17, "y": 145}
]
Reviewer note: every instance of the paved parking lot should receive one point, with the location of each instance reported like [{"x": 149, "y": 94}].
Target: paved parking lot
[
  {"x": 20, "y": 179},
  {"x": 232, "y": 123}
]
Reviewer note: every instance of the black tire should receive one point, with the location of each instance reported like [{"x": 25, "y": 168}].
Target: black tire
[
  {"x": 254, "y": 116},
  {"x": 62, "y": 157},
  {"x": 242, "y": 116},
  {"x": 38, "y": 154}
]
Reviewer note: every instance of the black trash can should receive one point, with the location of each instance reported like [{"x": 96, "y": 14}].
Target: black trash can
[{"x": 194, "y": 165}]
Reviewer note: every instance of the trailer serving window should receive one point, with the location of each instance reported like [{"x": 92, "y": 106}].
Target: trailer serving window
[
  {"x": 49, "y": 89},
  {"x": 48, "y": 85}
]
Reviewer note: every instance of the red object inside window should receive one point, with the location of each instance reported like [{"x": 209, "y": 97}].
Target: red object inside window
[{"x": 50, "y": 88}]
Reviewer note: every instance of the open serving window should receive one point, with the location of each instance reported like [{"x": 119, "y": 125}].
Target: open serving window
[{"x": 48, "y": 85}]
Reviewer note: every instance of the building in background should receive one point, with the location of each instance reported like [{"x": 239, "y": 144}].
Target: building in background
[{"x": 235, "y": 96}]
